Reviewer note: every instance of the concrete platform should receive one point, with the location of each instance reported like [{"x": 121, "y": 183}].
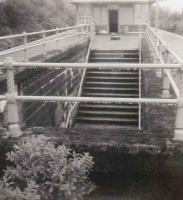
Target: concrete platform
[
  {"x": 174, "y": 41},
  {"x": 126, "y": 42}
]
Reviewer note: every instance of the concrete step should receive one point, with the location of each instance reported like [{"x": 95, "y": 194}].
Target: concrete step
[
  {"x": 109, "y": 107},
  {"x": 109, "y": 60},
  {"x": 108, "y": 127},
  {"x": 114, "y": 55},
  {"x": 110, "y": 84},
  {"x": 114, "y": 114},
  {"x": 113, "y": 79},
  {"x": 101, "y": 73},
  {"x": 111, "y": 90},
  {"x": 108, "y": 120},
  {"x": 115, "y": 51},
  {"x": 112, "y": 70},
  {"x": 88, "y": 94}
]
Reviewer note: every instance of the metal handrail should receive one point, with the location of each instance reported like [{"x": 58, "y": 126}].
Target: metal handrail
[
  {"x": 179, "y": 60},
  {"x": 140, "y": 73},
  {"x": 91, "y": 99},
  {"x": 154, "y": 66},
  {"x": 172, "y": 82},
  {"x": 16, "y": 49},
  {"x": 41, "y": 32},
  {"x": 80, "y": 88},
  {"x": 167, "y": 72},
  {"x": 96, "y": 65},
  {"x": 57, "y": 35}
]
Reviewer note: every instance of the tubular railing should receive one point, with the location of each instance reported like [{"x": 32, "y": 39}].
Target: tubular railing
[
  {"x": 140, "y": 74},
  {"x": 164, "y": 55},
  {"x": 69, "y": 120},
  {"x": 172, "y": 63},
  {"x": 50, "y": 39},
  {"x": 12, "y": 97},
  {"x": 161, "y": 46}
]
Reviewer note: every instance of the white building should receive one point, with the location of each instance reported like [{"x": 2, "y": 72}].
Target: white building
[{"x": 113, "y": 15}]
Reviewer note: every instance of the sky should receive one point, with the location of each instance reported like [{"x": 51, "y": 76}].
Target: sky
[{"x": 172, "y": 5}]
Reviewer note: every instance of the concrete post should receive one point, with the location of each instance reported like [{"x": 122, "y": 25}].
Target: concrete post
[
  {"x": 25, "y": 47},
  {"x": 166, "y": 82},
  {"x": 149, "y": 14},
  {"x": 12, "y": 107},
  {"x": 158, "y": 71},
  {"x": 179, "y": 116},
  {"x": 57, "y": 35},
  {"x": 44, "y": 43},
  {"x": 77, "y": 15},
  {"x": 72, "y": 76},
  {"x": 166, "y": 87},
  {"x": 157, "y": 16}
]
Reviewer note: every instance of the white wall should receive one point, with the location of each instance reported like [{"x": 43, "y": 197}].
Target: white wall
[
  {"x": 142, "y": 13},
  {"x": 128, "y": 14}
]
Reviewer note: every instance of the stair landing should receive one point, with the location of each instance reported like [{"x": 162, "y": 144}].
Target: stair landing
[{"x": 126, "y": 42}]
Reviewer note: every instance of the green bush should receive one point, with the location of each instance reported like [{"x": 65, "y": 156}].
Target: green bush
[{"x": 44, "y": 172}]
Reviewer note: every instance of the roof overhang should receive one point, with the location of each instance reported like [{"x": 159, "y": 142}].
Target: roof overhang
[{"x": 112, "y": 1}]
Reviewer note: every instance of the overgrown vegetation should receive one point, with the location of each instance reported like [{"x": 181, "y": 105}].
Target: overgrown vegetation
[
  {"x": 172, "y": 22},
  {"x": 44, "y": 172},
  {"x": 32, "y": 15}
]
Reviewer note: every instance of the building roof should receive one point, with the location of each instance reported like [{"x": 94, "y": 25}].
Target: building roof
[{"x": 111, "y": 1}]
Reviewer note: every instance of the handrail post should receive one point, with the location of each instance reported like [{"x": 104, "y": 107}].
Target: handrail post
[
  {"x": 166, "y": 82},
  {"x": 158, "y": 71},
  {"x": 157, "y": 16},
  {"x": 25, "y": 46},
  {"x": 44, "y": 43},
  {"x": 57, "y": 36},
  {"x": 12, "y": 107},
  {"x": 178, "y": 134},
  {"x": 166, "y": 87},
  {"x": 72, "y": 76}
]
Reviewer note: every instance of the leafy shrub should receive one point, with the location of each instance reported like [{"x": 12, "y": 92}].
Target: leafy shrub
[{"x": 44, "y": 172}]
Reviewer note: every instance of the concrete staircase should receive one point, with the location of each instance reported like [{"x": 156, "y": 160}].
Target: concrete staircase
[
  {"x": 120, "y": 56},
  {"x": 110, "y": 83}
]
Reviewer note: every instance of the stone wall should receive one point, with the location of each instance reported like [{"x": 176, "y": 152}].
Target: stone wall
[
  {"x": 156, "y": 118},
  {"x": 42, "y": 82}
]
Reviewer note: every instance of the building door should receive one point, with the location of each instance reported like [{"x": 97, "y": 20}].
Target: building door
[{"x": 113, "y": 21}]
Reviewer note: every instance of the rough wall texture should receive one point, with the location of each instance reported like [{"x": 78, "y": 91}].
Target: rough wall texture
[
  {"x": 156, "y": 118},
  {"x": 121, "y": 157},
  {"x": 49, "y": 82}
]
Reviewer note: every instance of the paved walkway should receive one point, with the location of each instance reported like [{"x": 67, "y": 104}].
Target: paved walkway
[
  {"x": 126, "y": 42},
  {"x": 174, "y": 41}
]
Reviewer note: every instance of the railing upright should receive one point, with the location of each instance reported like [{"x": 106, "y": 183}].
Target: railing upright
[
  {"x": 12, "y": 107},
  {"x": 25, "y": 47},
  {"x": 179, "y": 116},
  {"x": 69, "y": 120},
  {"x": 140, "y": 73},
  {"x": 44, "y": 43},
  {"x": 57, "y": 36}
]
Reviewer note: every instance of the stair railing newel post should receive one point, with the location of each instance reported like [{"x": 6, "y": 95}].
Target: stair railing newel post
[
  {"x": 12, "y": 107},
  {"x": 44, "y": 42},
  {"x": 25, "y": 46},
  {"x": 57, "y": 36},
  {"x": 178, "y": 134},
  {"x": 140, "y": 71},
  {"x": 166, "y": 82}
]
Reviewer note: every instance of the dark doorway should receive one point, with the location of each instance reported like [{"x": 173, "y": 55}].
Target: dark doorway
[{"x": 113, "y": 21}]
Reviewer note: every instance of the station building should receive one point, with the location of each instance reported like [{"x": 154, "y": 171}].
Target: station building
[{"x": 113, "y": 16}]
